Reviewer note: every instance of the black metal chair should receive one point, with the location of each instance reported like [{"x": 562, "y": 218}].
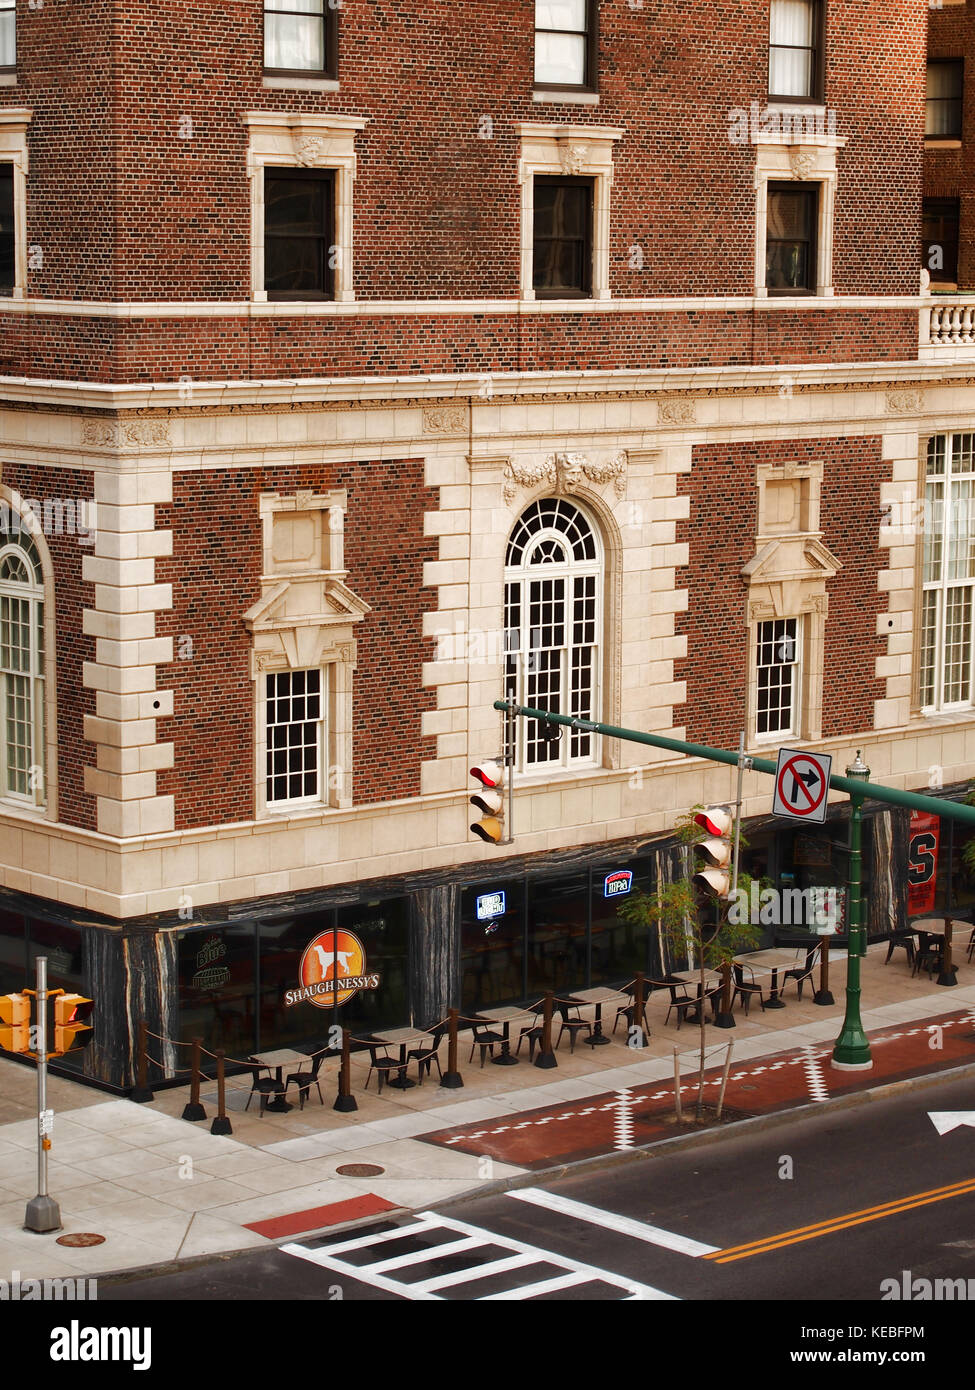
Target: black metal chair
[
  {"x": 533, "y": 1032},
  {"x": 929, "y": 956},
  {"x": 971, "y": 946},
  {"x": 485, "y": 1039},
  {"x": 264, "y": 1086},
  {"x": 746, "y": 991},
  {"x": 428, "y": 1055},
  {"x": 901, "y": 938},
  {"x": 305, "y": 1080},
  {"x": 801, "y": 973},
  {"x": 625, "y": 1011},
  {"x": 382, "y": 1066},
  {"x": 571, "y": 1025}
]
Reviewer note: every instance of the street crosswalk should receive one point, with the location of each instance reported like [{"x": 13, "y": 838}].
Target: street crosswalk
[{"x": 433, "y": 1257}]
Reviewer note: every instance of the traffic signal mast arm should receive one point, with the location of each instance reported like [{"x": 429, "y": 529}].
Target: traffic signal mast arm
[{"x": 854, "y": 787}]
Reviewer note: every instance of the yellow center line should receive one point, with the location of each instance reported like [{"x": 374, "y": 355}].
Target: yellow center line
[{"x": 842, "y": 1222}]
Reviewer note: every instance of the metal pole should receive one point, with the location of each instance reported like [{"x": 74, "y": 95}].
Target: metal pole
[
  {"x": 743, "y": 763},
  {"x": 43, "y": 1213},
  {"x": 852, "y": 1049},
  {"x": 508, "y": 736},
  {"x": 452, "y": 1080}
]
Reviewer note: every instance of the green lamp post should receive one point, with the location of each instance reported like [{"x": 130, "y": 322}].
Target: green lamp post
[{"x": 852, "y": 1049}]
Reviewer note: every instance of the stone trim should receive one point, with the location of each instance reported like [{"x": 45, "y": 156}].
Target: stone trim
[{"x": 13, "y": 150}]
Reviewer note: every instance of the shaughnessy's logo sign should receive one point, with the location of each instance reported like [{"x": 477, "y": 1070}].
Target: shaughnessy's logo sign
[{"x": 332, "y": 970}]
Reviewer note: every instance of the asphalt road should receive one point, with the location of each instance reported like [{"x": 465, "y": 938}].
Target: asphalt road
[{"x": 815, "y": 1212}]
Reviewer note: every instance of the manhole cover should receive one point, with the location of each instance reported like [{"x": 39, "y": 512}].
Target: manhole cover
[
  {"x": 360, "y": 1170},
  {"x": 748, "y": 1088},
  {"x": 81, "y": 1238}
]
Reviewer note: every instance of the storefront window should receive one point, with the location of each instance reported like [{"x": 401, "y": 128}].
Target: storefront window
[
  {"x": 13, "y": 957},
  {"x": 383, "y": 928},
  {"x": 216, "y": 988},
  {"x": 619, "y": 949},
  {"x": 62, "y": 947},
  {"x": 557, "y": 934},
  {"x": 492, "y": 945}
]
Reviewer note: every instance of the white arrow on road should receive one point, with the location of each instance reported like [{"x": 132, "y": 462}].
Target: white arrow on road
[{"x": 945, "y": 1121}]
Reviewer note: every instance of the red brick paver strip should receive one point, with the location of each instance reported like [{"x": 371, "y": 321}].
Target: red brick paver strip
[
  {"x": 314, "y": 1218},
  {"x": 537, "y": 1139}
]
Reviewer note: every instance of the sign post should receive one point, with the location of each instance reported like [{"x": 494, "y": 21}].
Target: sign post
[{"x": 43, "y": 1213}]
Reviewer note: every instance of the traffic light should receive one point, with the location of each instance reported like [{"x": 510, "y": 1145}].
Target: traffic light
[
  {"x": 72, "y": 1031},
  {"x": 15, "y": 1022},
  {"x": 489, "y": 800},
  {"x": 716, "y": 850}
]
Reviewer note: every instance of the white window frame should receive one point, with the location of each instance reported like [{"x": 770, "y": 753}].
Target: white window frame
[
  {"x": 13, "y": 150},
  {"x": 570, "y": 152},
  {"x": 322, "y": 742},
  {"x": 10, "y": 7},
  {"x": 329, "y": 24},
  {"x": 284, "y": 141},
  {"x": 524, "y": 574},
  {"x": 945, "y": 515},
  {"x": 590, "y": 59},
  {"x": 797, "y": 665},
  {"x": 778, "y": 159},
  {"x": 43, "y": 737}
]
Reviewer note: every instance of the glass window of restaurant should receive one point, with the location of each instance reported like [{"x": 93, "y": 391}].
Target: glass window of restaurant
[{"x": 13, "y": 953}]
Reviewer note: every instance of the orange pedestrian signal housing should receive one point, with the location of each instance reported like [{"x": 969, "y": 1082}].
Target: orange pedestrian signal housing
[
  {"x": 72, "y": 1031},
  {"x": 15, "y": 1022}
]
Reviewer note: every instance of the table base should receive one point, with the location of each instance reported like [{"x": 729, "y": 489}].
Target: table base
[
  {"x": 401, "y": 1083},
  {"x": 599, "y": 1040},
  {"x": 505, "y": 1060},
  {"x": 775, "y": 1004}
]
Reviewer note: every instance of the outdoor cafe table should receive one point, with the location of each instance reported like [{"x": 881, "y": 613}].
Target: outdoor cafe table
[
  {"x": 276, "y": 1062},
  {"x": 936, "y": 929},
  {"x": 503, "y": 1016},
  {"x": 402, "y": 1036},
  {"x": 693, "y": 977},
  {"x": 774, "y": 960},
  {"x": 598, "y": 996}
]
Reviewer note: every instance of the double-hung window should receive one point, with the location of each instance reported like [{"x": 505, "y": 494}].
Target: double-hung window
[
  {"x": 8, "y": 239},
  {"x": 795, "y": 70},
  {"x": 790, "y": 253},
  {"x": 553, "y": 598},
  {"x": 565, "y": 44},
  {"x": 562, "y": 238},
  {"x": 295, "y": 706},
  {"x": 943, "y": 107},
  {"x": 778, "y": 667},
  {"x": 8, "y": 35},
  {"x": 301, "y": 37},
  {"x": 22, "y": 739},
  {"x": 948, "y": 574},
  {"x": 299, "y": 233},
  {"x": 939, "y": 239}
]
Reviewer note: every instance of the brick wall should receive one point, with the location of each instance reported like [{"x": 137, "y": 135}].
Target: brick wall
[
  {"x": 723, "y": 489},
  {"x": 436, "y": 207},
  {"x": 215, "y": 572}
]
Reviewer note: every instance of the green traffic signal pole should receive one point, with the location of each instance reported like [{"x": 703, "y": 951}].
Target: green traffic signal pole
[{"x": 852, "y": 1050}]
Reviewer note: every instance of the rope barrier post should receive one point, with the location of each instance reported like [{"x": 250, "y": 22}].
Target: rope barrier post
[
  {"x": 345, "y": 1101},
  {"x": 193, "y": 1110},
  {"x": 221, "y": 1124},
  {"x": 677, "y": 1104},
  {"x": 724, "y": 1079},
  {"x": 638, "y": 1038},
  {"x": 724, "y": 1017},
  {"x": 823, "y": 995},
  {"x": 546, "y": 1055},
  {"x": 452, "y": 1079},
  {"x": 948, "y": 971},
  {"x": 142, "y": 1093}
]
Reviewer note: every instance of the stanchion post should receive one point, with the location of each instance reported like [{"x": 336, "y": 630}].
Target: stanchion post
[
  {"x": 142, "y": 1092},
  {"x": 345, "y": 1101},
  {"x": 221, "y": 1123},
  {"x": 724, "y": 1079},
  {"x": 639, "y": 1038},
  {"x": 677, "y": 1104},
  {"x": 452, "y": 1079},
  {"x": 725, "y": 1018},
  {"x": 949, "y": 972},
  {"x": 193, "y": 1110},
  {"x": 823, "y": 995},
  {"x": 546, "y": 1055}
]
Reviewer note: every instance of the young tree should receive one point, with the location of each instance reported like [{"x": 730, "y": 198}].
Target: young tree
[{"x": 692, "y": 925}]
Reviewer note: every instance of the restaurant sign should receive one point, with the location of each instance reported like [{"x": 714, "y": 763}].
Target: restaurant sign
[
  {"x": 490, "y": 905},
  {"x": 332, "y": 970},
  {"x": 615, "y": 885}
]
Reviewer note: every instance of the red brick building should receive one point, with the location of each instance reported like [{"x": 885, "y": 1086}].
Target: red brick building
[{"x": 362, "y": 363}]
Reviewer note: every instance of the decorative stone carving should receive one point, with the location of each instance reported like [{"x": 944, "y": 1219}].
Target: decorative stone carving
[
  {"x": 677, "y": 411},
  {"x": 445, "y": 419},
  {"x": 309, "y": 149},
  {"x": 566, "y": 473},
  {"x": 904, "y": 402},
  {"x": 114, "y": 434},
  {"x": 573, "y": 156},
  {"x": 802, "y": 161}
]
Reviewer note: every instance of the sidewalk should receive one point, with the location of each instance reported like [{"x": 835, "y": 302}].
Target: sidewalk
[{"x": 160, "y": 1189}]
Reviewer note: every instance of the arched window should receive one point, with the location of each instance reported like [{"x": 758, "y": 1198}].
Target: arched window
[
  {"x": 22, "y": 773},
  {"x": 553, "y": 605}
]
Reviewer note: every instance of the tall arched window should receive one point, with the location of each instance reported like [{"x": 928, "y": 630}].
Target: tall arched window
[
  {"x": 553, "y": 604},
  {"x": 21, "y": 670}
]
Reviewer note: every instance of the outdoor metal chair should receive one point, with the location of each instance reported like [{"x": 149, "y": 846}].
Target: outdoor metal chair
[
  {"x": 929, "y": 957},
  {"x": 801, "y": 973},
  {"x": 746, "y": 991},
  {"x": 533, "y": 1032},
  {"x": 264, "y": 1086},
  {"x": 427, "y": 1054},
  {"x": 971, "y": 946},
  {"x": 625, "y": 1011},
  {"x": 382, "y": 1066},
  {"x": 901, "y": 938},
  {"x": 571, "y": 1025},
  {"x": 485, "y": 1039},
  {"x": 305, "y": 1080}
]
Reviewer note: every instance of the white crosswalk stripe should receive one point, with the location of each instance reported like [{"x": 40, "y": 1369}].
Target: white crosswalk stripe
[{"x": 557, "y": 1271}]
